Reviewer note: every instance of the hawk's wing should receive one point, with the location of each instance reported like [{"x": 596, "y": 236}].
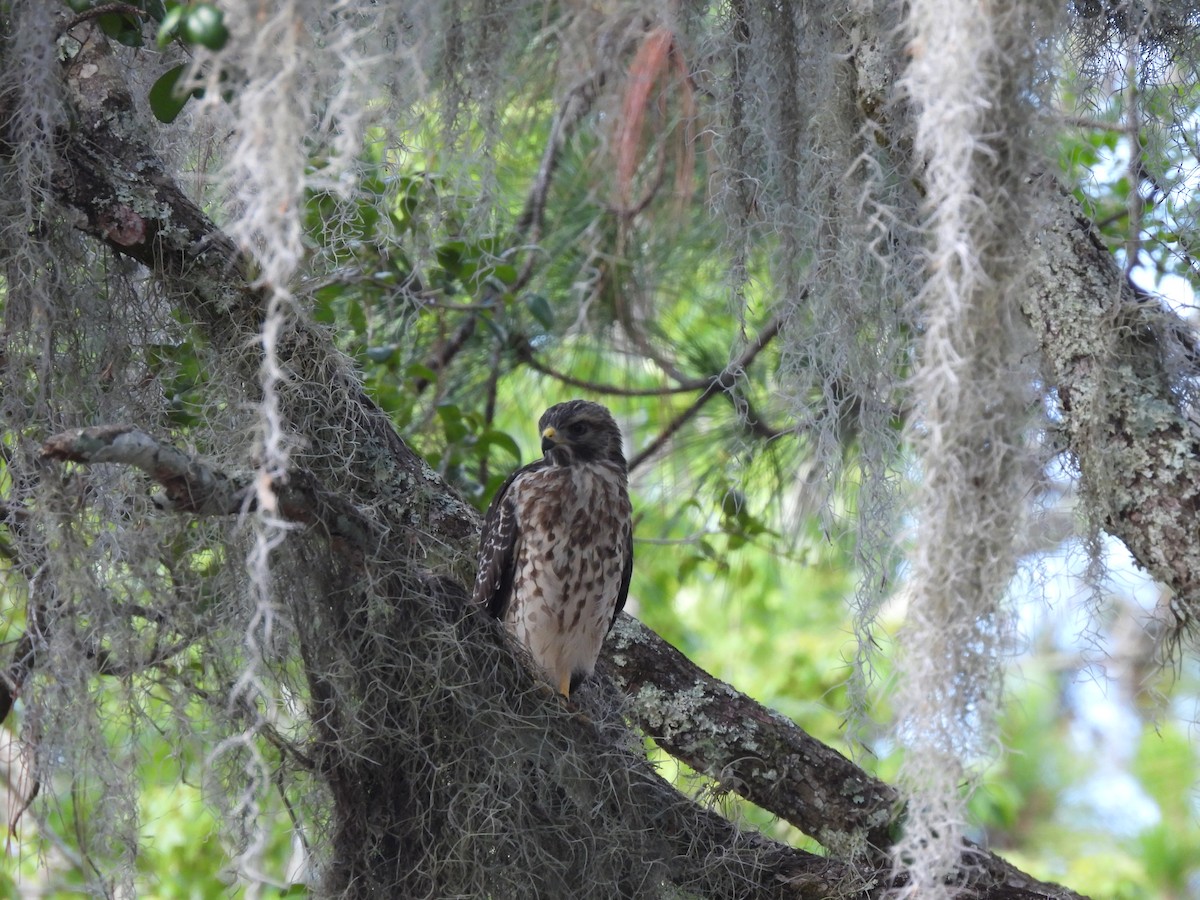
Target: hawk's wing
[
  {"x": 626, "y": 573},
  {"x": 498, "y": 540}
]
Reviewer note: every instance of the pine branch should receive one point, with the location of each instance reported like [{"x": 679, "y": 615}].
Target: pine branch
[{"x": 722, "y": 383}]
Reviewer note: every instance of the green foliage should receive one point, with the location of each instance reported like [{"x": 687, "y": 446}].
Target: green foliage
[
  {"x": 166, "y": 101},
  {"x": 1115, "y": 172},
  {"x": 1028, "y": 803},
  {"x": 192, "y": 24},
  {"x": 1167, "y": 767},
  {"x": 183, "y": 853}
]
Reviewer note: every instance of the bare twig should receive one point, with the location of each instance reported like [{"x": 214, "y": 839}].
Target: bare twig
[
  {"x": 489, "y": 407},
  {"x": 528, "y": 228},
  {"x": 525, "y": 352},
  {"x": 575, "y": 106},
  {"x": 446, "y": 351},
  {"x": 126, "y": 9},
  {"x": 722, "y": 382}
]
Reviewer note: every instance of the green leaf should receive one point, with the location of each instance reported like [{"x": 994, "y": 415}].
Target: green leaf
[
  {"x": 495, "y": 327},
  {"x": 125, "y": 30},
  {"x": 450, "y": 257},
  {"x": 381, "y": 354},
  {"x": 452, "y": 422},
  {"x": 539, "y": 307},
  {"x": 357, "y": 317},
  {"x": 323, "y": 300},
  {"x": 502, "y": 439},
  {"x": 505, "y": 273},
  {"x": 165, "y": 102},
  {"x": 423, "y": 372}
]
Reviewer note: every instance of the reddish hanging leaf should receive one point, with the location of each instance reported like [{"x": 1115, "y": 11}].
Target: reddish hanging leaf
[{"x": 658, "y": 62}]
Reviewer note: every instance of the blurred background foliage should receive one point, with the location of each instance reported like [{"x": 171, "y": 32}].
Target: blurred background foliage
[{"x": 465, "y": 326}]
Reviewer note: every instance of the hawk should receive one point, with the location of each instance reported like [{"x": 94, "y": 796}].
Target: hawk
[{"x": 557, "y": 546}]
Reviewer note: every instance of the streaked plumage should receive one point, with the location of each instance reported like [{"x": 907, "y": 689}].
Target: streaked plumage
[{"x": 557, "y": 546}]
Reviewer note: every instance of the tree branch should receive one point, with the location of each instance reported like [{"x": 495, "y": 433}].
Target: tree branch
[
  {"x": 763, "y": 756},
  {"x": 692, "y": 832},
  {"x": 721, "y": 383},
  {"x": 189, "y": 485},
  {"x": 1104, "y": 353},
  {"x": 126, "y": 199}
]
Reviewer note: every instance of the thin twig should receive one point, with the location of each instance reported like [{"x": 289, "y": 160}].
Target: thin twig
[
  {"x": 720, "y": 383},
  {"x": 525, "y": 352},
  {"x": 127, "y": 9},
  {"x": 528, "y": 227},
  {"x": 445, "y": 352},
  {"x": 577, "y": 104},
  {"x": 489, "y": 407}
]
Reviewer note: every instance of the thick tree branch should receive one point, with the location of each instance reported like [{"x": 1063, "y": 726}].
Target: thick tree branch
[
  {"x": 128, "y": 200},
  {"x": 692, "y": 833},
  {"x": 189, "y": 485},
  {"x": 743, "y": 745},
  {"x": 764, "y": 757},
  {"x": 1104, "y": 352},
  {"x": 699, "y": 719}
]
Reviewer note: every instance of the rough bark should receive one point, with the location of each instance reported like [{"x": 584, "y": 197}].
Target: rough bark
[
  {"x": 1105, "y": 353},
  {"x": 761, "y": 754},
  {"x": 129, "y": 202}
]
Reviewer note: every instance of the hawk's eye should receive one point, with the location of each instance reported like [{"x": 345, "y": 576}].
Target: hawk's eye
[{"x": 577, "y": 429}]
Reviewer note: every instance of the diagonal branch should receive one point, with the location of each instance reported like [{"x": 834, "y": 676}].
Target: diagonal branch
[
  {"x": 192, "y": 486},
  {"x": 690, "y": 832},
  {"x": 722, "y": 383},
  {"x": 766, "y": 758},
  {"x": 1103, "y": 355},
  {"x": 700, "y": 720},
  {"x": 747, "y": 747}
]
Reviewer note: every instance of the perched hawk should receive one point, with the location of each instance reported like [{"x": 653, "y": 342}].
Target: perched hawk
[{"x": 557, "y": 545}]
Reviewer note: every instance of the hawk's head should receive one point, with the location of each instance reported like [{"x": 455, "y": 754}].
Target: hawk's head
[{"x": 580, "y": 431}]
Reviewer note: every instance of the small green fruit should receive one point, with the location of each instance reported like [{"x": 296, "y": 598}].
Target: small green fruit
[{"x": 205, "y": 25}]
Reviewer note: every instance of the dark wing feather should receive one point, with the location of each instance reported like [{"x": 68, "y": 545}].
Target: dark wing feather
[
  {"x": 626, "y": 573},
  {"x": 497, "y": 542}
]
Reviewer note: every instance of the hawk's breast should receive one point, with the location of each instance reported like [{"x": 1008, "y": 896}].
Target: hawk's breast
[{"x": 573, "y": 524}]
